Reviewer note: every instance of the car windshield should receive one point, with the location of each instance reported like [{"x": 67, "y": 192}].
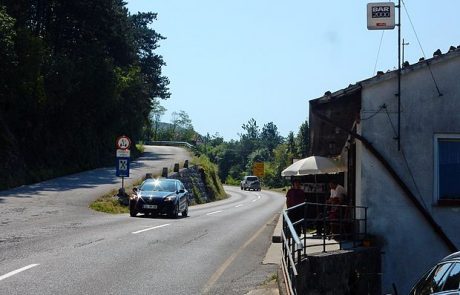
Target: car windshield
[
  {"x": 159, "y": 186},
  {"x": 252, "y": 178}
]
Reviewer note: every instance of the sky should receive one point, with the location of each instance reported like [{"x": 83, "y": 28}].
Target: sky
[{"x": 229, "y": 61}]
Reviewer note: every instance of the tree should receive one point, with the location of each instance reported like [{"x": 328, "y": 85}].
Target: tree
[
  {"x": 181, "y": 126},
  {"x": 282, "y": 158},
  {"x": 155, "y": 118},
  {"x": 291, "y": 145},
  {"x": 252, "y": 130},
  {"x": 303, "y": 140},
  {"x": 249, "y": 141},
  {"x": 270, "y": 137},
  {"x": 74, "y": 71}
]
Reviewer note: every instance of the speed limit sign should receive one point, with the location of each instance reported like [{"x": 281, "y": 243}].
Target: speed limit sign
[{"x": 123, "y": 142}]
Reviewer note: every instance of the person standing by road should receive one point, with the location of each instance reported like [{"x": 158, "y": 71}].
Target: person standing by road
[
  {"x": 338, "y": 193},
  {"x": 295, "y": 196},
  {"x": 338, "y": 197}
]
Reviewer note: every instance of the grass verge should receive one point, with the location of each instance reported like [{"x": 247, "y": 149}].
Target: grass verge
[{"x": 109, "y": 204}]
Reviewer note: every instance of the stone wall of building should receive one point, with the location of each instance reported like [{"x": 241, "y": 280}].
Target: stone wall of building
[{"x": 342, "y": 272}]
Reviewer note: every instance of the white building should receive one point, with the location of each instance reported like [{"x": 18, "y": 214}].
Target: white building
[{"x": 411, "y": 188}]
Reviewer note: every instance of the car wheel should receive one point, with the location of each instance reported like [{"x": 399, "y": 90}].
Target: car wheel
[
  {"x": 132, "y": 208},
  {"x": 132, "y": 212},
  {"x": 185, "y": 212},
  {"x": 175, "y": 212}
]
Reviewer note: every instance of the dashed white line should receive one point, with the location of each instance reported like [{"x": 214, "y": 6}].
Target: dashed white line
[
  {"x": 238, "y": 205},
  {"x": 215, "y": 212},
  {"x": 150, "y": 228},
  {"x": 17, "y": 271},
  {"x": 258, "y": 197}
]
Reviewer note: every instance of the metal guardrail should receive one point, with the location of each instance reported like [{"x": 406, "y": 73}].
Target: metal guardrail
[
  {"x": 323, "y": 226},
  {"x": 171, "y": 143}
]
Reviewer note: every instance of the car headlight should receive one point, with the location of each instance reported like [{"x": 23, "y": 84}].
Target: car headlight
[{"x": 170, "y": 199}]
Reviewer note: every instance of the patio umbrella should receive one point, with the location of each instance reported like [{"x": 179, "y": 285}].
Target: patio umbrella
[{"x": 312, "y": 165}]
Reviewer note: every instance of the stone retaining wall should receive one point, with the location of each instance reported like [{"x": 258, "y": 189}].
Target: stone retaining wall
[{"x": 193, "y": 180}]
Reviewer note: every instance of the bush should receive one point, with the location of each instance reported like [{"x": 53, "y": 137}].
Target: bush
[{"x": 232, "y": 181}]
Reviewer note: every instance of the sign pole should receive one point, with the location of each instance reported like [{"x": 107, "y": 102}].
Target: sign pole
[
  {"x": 123, "y": 158},
  {"x": 381, "y": 16}
]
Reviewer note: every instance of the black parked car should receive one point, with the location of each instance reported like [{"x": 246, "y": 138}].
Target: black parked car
[
  {"x": 160, "y": 196},
  {"x": 443, "y": 278}
]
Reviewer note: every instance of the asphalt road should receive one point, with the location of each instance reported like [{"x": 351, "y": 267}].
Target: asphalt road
[{"x": 51, "y": 243}]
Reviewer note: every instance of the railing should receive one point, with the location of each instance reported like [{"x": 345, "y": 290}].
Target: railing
[
  {"x": 172, "y": 143},
  {"x": 324, "y": 227}
]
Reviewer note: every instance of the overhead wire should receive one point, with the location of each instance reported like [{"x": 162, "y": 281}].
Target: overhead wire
[
  {"x": 407, "y": 165},
  {"x": 375, "y": 113},
  {"x": 378, "y": 53},
  {"x": 421, "y": 48}
]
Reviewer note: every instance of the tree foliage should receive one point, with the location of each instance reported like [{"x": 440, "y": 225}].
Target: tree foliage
[
  {"x": 74, "y": 75},
  {"x": 237, "y": 158}
]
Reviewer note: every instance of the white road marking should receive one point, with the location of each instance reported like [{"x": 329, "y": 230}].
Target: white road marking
[
  {"x": 215, "y": 212},
  {"x": 238, "y": 205},
  {"x": 217, "y": 274},
  {"x": 10, "y": 274},
  {"x": 258, "y": 198},
  {"x": 150, "y": 228}
]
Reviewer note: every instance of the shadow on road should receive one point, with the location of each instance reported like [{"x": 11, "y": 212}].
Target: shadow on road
[{"x": 87, "y": 179}]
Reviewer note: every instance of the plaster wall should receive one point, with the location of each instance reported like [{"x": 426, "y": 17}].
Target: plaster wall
[{"x": 409, "y": 244}]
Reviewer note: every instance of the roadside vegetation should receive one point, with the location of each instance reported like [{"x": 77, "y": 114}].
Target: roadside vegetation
[
  {"x": 74, "y": 76},
  {"x": 108, "y": 203},
  {"x": 211, "y": 178},
  {"x": 236, "y": 158},
  {"x": 63, "y": 106}
]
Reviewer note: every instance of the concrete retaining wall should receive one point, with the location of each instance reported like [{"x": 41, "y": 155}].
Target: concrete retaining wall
[{"x": 342, "y": 272}]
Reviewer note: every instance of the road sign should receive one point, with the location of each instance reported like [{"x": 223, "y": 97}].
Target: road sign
[
  {"x": 123, "y": 142},
  {"x": 258, "y": 169},
  {"x": 123, "y": 153},
  {"x": 122, "y": 169},
  {"x": 381, "y": 16}
]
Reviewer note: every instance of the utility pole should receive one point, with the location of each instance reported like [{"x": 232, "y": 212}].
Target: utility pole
[{"x": 381, "y": 16}]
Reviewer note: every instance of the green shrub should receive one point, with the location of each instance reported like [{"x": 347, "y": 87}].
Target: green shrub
[
  {"x": 232, "y": 181},
  {"x": 197, "y": 195}
]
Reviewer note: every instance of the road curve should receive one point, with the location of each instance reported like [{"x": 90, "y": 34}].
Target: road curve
[{"x": 51, "y": 243}]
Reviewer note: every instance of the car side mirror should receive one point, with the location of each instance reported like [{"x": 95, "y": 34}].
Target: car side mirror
[
  {"x": 181, "y": 191},
  {"x": 135, "y": 190}
]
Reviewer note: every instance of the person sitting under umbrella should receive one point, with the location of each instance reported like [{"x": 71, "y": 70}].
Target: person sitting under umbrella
[{"x": 295, "y": 196}]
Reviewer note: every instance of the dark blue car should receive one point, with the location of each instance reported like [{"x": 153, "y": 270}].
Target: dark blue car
[
  {"x": 160, "y": 196},
  {"x": 443, "y": 278}
]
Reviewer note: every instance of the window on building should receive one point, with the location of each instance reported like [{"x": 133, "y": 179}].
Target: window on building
[{"x": 447, "y": 153}]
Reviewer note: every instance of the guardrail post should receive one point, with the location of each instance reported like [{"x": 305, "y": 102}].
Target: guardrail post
[
  {"x": 164, "y": 173},
  {"x": 176, "y": 167},
  {"x": 186, "y": 164}
]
